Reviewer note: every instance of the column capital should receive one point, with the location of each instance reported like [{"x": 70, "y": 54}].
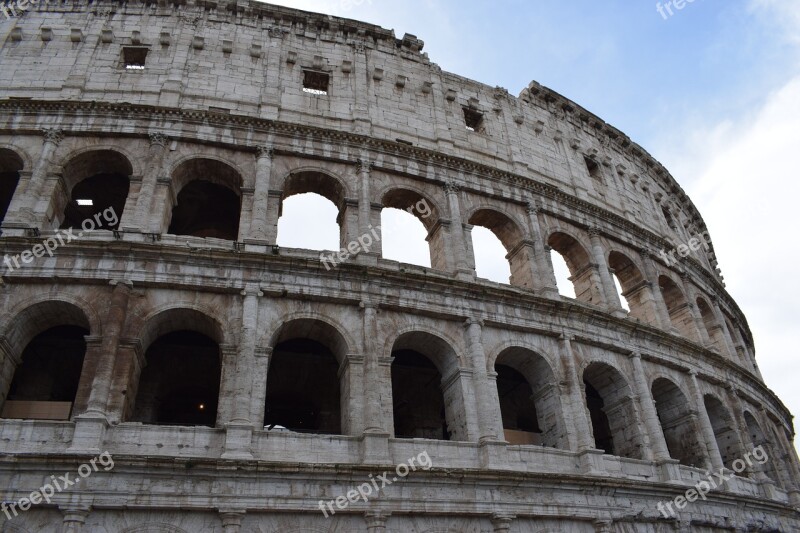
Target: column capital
[
  {"x": 473, "y": 321},
  {"x": 594, "y": 231},
  {"x": 158, "y": 139},
  {"x": 451, "y": 187},
  {"x": 365, "y": 304},
  {"x": 364, "y": 165},
  {"x": 532, "y": 208},
  {"x": 376, "y": 519},
  {"x": 53, "y": 135},
  {"x": 121, "y": 282},
  {"x": 263, "y": 351},
  {"x": 265, "y": 151}
]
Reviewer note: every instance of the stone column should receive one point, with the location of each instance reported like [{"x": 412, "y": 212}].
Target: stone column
[
  {"x": 501, "y": 523},
  {"x": 484, "y": 398},
  {"x": 13, "y": 222},
  {"x": 227, "y": 385},
  {"x": 658, "y": 444},
  {"x": 376, "y": 521},
  {"x": 742, "y": 431},
  {"x": 74, "y": 518},
  {"x": 158, "y": 219},
  {"x": 30, "y": 209},
  {"x": 231, "y": 520},
  {"x": 705, "y": 424},
  {"x": 259, "y": 378},
  {"x": 658, "y": 298},
  {"x": 699, "y": 328},
  {"x": 239, "y": 430},
  {"x": 94, "y": 349},
  {"x": 606, "y": 280},
  {"x": 727, "y": 335},
  {"x": 458, "y": 242},
  {"x": 155, "y": 159},
  {"x": 115, "y": 321},
  {"x": 579, "y": 429},
  {"x": 258, "y": 222},
  {"x": 125, "y": 381},
  {"x": 9, "y": 361},
  {"x": 545, "y": 278},
  {"x": 373, "y": 422}
]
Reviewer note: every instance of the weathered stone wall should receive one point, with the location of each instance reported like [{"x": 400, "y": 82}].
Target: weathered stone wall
[{"x": 221, "y": 93}]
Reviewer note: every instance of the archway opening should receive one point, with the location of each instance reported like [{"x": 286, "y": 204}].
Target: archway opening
[
  {"x": 724, "y": 430},
  {"x": 496, "y": 245},
  {"x": 490, "y": 256},
  {"x": 678, "y": 424},
  {"x": 612, "y": 412},
  {"x": 98, "y": 183},
  {"x": 208, "y": 202},
  {"x": 632, "y": 288},
  {"x": 530, "y": 404},
  {"x": 179, "y": 385},
  {"x": 45, "y": 383},
  {"x": 427, "y": 397},
  {"x": 10, "y": 166},
  {"x": 677, "y": 306},
  {"x": 579, "y": 266},
  {"x": 314, "y": 200},
  {"x": 759, "y": 439},
  {"x": 303, "y": 388}
]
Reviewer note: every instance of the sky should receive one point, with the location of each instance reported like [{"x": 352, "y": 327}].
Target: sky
[{"x": 712, "y": 91}]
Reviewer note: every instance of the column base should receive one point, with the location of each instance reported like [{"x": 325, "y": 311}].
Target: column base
[
  {"x": 90, "y": 431},
  {"x": 465, "y": 275},
  {"x": 238, "y": 441},
  {"x": 493, "y": 454},
  {"x": 669, "y": 470},
  {"x": 257, "y": 246},
  {"x": 375, "y": 449},
  {"x": 591, "y": 461},
  {"x": 794, "y": 498}
]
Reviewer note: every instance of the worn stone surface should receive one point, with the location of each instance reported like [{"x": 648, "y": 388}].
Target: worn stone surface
[{"x": 673, "y": 384}]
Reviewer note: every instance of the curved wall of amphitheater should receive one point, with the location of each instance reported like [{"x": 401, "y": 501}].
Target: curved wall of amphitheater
[{"x": 178, "y": 337}]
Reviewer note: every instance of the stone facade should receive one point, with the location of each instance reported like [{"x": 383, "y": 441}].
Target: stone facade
[{"x": 175, "y": 111}]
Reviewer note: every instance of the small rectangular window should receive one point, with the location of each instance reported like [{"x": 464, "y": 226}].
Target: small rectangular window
[
  {"x": 593, "y": 167},
  {"x": 473, "y": 120},
  {"x": 134, "y": 57},
  {"x": 315, "y": 82}
]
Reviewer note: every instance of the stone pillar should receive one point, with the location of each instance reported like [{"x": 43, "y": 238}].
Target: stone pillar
[
  {"x": 74, "y": 518},
  {"x": 231, "y": 520},
  {"x": 13, "y": 222},
  {"x": 144, "y": 203},
  {"x": 501, "y": 523},
  {"x": 545, "y": 278},
  {"x": 609, "y": 289},
  {"x": 94, "y": 349},
  {"x": 9, "y": 361},
  {"x": 125, "y": 382},
  {"x": 31, "y": 207},
  {"x": 698, "y": 327},
  {"x": 114, "y": 323},
  {"x": 458, "y": 239},
  {"x": 658, "y": 444},
  {"x": 348, "y": 220},
  {"x": 227, "y": 385},
  {"x": 483, "y": 396},
  {"x": 726, "y": 333},
  {"x": 158, "y": 219},
  {"x": 351, "y": 387},
  {"x": 239, "y": 429},
  {"x": 258, "y": 221},
  {"x": 576, "y": 417},
  {"x": 274, "y": 206},
  {"x": 705, "y": 424},
  {"x": 742, "y": 431},
  {"x": 376, "y": 521},
  {"x": 658, "y": 298},
  {"x": 259, "y": 379},
  {"x": 373, "y": 419}
]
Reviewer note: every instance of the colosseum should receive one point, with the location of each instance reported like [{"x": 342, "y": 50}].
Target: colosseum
[{"x": 214, "y": 381}]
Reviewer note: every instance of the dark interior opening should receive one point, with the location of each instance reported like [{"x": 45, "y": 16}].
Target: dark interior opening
[
  {"x": 315, "y": 82},
  {"x": 601, "y": 428},
  {"x": 419, "y": 410},
  {"x": 97, "y": 194},
  {"x": 473, "y": 120},
  {"x": 516, "y": 401},
  {"x": 206, "y": 209}
]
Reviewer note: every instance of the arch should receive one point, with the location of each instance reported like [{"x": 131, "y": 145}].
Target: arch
[
  {"x": 510, "y": 234},
  {"x": 207, "y": 199},
  {"x": 323, "y": 197},
  {"x": 318, "y": 181},
  {"x": 724, "y": 430},
  {"x": 303, "y": 390},
  {"x": 31, "y": 317},
  {"x": 536, "y": 400},
  {"x": 427, "y": 397},
  {"x": 635, "y": 288},
  {"x": 578, "y": 260},
  {"x": 712, "y": 327},
  {"x": 319, "y": 329},
  {"x": 415, "y": 202},
  {"x": 180, "y": 381},
  {"x": 11, "y": 164},
  {"x": 759, "y": 440},
  {"x": 678, "y": 423},
  {"x": 403, "y": 231},
  {"x": 97, "y": 183},
  {"x": 613, "y": 414},
  {"x": 677, "y": 306}
]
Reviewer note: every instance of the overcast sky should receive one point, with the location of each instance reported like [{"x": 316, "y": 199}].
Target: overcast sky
[{"x": 712, "y": 91}]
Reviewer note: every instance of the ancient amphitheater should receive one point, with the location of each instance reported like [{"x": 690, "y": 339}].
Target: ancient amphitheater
[{"x": 178, "y": 371}]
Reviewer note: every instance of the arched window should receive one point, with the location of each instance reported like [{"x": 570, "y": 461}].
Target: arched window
[
  {"x": 208, "y": 200},
  {"x": 679, "y": 425},
  {"x": 10, "y": 166},
  {"x": 712, "y": 327},
  {"x": 759, "y": 439},
  {"x": 530, "y": 405},
  {"x": 612, "y": 412},
  {"x": 581, "y": 275},
  {"x": 98, "y": 183},
  {"x": 303, "y": 391},
  {"x": 632, "y": 288},
  {"x": 679, "y": 314},
  {"x": 45, "y": 383},
  {"x": 406, "y": 220},
  {"x": 724, "y": 430},
  {"x": 496, "y": 244},
  {"x": 425, "y": 396},
  {"x": 313, "y": 212},
  {"x": 180, "y": 383}
]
